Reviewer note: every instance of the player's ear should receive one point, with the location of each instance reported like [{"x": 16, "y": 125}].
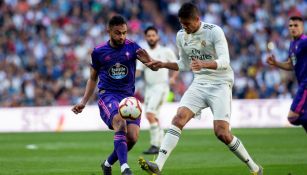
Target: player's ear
[
  {"x": 197, "y": 18},
  {"x": 108, "y": 29}
]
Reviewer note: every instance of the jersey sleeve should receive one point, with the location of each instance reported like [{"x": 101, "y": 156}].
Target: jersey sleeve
[
  {"x": 221, "y": 48},
  {"x": 183, "y": 62},
  {"x": 95, "y": 61}
]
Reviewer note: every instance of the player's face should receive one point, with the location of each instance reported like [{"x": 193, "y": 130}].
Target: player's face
[
  {"x": 296, "y": 28},
  {"x": 118, "y": 34},
  {"x": 152, "y": 38},
  {"x": 190, "y": 25}
]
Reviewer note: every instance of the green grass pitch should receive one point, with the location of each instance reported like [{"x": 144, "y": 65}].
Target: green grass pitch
[{"x": 281, "y": 151}]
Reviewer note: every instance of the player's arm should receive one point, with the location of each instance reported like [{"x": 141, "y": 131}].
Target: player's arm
[
  {"x": 271, "y": 60},
  {"x": 89, "y": 90},
  {"x": 179, "y": 65},
  {"x": 144, "y": 57}
]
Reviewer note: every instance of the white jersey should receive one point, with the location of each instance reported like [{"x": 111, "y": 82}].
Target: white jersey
[
  {"x": 208, "y": 43},
  {"x": 160, "y": 53}
]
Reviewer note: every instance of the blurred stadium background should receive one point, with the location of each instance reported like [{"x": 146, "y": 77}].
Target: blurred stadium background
[{"x": 45, "y": 48}]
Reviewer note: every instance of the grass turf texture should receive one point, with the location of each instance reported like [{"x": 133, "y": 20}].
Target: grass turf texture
[{"x": 281, "y": 151}]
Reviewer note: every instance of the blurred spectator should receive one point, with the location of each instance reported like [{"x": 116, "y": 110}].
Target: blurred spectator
[{"x": 45, "y": 46}]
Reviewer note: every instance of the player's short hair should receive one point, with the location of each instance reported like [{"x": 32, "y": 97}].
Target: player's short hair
[
  {"x": 150, "y": 28},
  {"x": 296, "y": 18},
  {"x": 116, "y": 21},
  {"x": 188, "y": 10}
]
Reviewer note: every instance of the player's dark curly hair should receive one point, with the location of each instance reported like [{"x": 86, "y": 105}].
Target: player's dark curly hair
[
  {"x": 188, "y": 10},
  {"x": 117, "y": 20},
  {"x": 150, "y": 28}
]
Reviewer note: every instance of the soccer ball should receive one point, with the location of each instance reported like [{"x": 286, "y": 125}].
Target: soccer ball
[{"x": 130, "y": 108}]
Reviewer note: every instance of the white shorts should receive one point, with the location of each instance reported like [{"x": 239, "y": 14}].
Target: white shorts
[
  {"x": 216, "y": 96},
  {"x": 155, "y": 96}
]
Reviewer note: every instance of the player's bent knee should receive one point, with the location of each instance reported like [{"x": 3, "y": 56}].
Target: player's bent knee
[
  {"x": 294, "y": 120},
  {"x": 223, "y": 135},
  {"x": 119, "y": 124},
  {"x": 178, "y": 121},
  {"x": 132, "y": 138}
]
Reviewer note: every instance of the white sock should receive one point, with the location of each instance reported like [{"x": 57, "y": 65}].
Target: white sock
[
  {"x": 238, "y": 149},
  {"x": 123, "y": 167},
  {"x": 161, "y": 136},
  {"x": 154, "y": 131},
  {"x": 107, "y": 164},
  {"x": 169, "y": 142}
]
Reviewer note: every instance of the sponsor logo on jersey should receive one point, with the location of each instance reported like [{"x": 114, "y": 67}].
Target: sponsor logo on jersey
[{"x": 118, "y": 71}]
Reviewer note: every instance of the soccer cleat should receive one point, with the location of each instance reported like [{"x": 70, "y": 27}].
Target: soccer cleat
[
  {"x": 152, "y": 150},
  {"x": 150, "y": 167},
  {"x": 259, "y": 172},
  {"x": 106, "y": 170},
  {"x": 127, "y": 171}
]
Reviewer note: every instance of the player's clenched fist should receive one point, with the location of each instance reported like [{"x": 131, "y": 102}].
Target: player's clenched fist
[
  {"x": 78, "y": 108},
  {"x": 196, "y": 65},
  {"x": 271, "y": 60}
]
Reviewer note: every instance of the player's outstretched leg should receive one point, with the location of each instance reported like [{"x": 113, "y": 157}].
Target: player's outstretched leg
[
  {"x": 221, "y": 129},
  {"x": 239, "y": 150},
  {"x": 148, "y": 166}
]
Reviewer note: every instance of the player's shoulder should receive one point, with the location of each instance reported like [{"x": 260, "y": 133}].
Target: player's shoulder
[
  {"x": 210, "y": 27},
  {"x": 129, "y": 42},
  {"x": 131, "y": 45},
  {"x": 181, "y": 33},
  {"x": 101, "y": 47}
]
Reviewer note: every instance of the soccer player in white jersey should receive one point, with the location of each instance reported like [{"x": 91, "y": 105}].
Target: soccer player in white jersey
[
  {"x": 156, "y": 89},
  {"x": 203, "y": 49}
]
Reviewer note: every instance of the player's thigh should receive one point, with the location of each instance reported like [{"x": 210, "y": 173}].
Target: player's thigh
[
  {"x": 219, "y": 100},
  {"x": 155, "y": 97},
  {"x": 194, "y": 99},
  {"x": 299, "y": 103},
  {"x": 108, "y": 108}
]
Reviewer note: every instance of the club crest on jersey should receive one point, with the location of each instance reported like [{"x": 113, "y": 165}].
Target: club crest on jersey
[
  {"x": 118, "y": 71},
  {"x": 203, "y": 43}
]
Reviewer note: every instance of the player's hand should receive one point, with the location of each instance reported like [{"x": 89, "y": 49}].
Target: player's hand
[
  {"x": 78, "y": 108},
  {"x": 271, "y": 60},
  {"x": 154, "y": 65},
  {"x": 196, "y": 64},
  {"x": 143, "y": 56}
]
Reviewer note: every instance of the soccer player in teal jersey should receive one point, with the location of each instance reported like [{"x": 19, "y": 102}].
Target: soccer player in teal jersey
[
  {"x": 114, "y": 63},
  {"x": 297, "y": 61}
]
